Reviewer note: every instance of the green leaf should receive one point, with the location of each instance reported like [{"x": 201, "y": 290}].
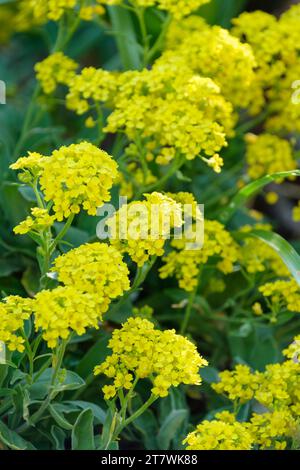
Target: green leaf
[
  {"x": 59, "y": 418},
  {"x": 59, "y": 438},
  {"x": 40, "y": 388},
  {"x": 83, "y": 432},
  {"x": 250, "y": 190},
  {"x": 170, "y": 426},
  {"x": 12, "y": 440},
  {"x": 124, "y": 32},
  {"x": 209, "y": 375},
  {"x": 286, "y": 252},
  {"x": 95, "y": 355}
]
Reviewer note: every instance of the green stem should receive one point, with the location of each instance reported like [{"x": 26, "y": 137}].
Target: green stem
[
  {"x": 188, "y": 310},
  {"x": 62, "y": 233},
  {"x": 52, "y": 393},
  {"x": 134, "y": 416}
]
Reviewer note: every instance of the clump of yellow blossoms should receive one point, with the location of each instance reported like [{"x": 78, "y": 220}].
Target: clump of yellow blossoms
[
  {"x": 284, "y": 294},
  {"x": 219, "y": 435},
  {"x": 276, "y": 389},
  {"x": 239, "y": 384},
  {"x": 177, "y": 8},
  {"x": 75, "y": 176},
  {"x": 168, "y": 112},
  {"x": 272, "y": 430},
  {"x": 54, "y": 70},
  {"x": 211, "y": 51},
  {"x": 31, "y": 166},
  {"x": 173, "y": 111},
  {"x": 91, "y": 85},
  {"x": 40, "y": 11},
  {"x": 39, "y": 221},
  {"x": 268, "y": 154},
  {"x": 186, "y": 264},
  {"x": 62, "y": 310},
  {"x": 142, "y": 227},
  {"x": 276, "y": 48},
  {"x": 96, "y": 268},
  {"x": 80, "y": 175},
  {"x": 140, "y": 351},
  {"x": 14, "y": 310}
]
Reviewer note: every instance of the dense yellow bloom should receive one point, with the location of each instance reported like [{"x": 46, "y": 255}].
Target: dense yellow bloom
[
  {"x": 279, "y": 385},
  {"x": 172, "y": 111},
  {"x": 54, "y": 70},
  {"x": 14, "y": 310},
  {"x": 268, "y": 154},
  {"x": 185, "y": 264},
  {"x": 271, "y": 430},
  {"x": 31, "y": 166},
  {"x": 80, "y": 175},
  {"x": 140, "y": 351},
  {"x": 39, "y": 221},
  {"x": 95, "y": 268},
  {"x": 63, "y": 310},
  {"x": 40, "y": 11},
  {"x": 142, "y": 227},
  {"x": 91, "y": 85},
  {"x": 219, "y": 435},
  {"x": 284, "y": 294},
  {"x": 276, "y": 48},
  {"x": 239, "y": 384},
  {"x": 211, "y": 51},
  {"x": 177, "y": 8}
]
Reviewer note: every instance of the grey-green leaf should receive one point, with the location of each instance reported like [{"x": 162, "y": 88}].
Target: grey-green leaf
[{"x": 83, "y": 432}]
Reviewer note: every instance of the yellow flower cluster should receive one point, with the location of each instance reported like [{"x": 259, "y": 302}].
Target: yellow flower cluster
[
  {"x": 62, "y": 310},
  {"x": 140, "y": 351},
  {"x": 75, "y": 176},
  {"x": 39, "y": 221},
  {"x": 142, "y": 227},
  {"x": 276, "y": 389},
  {"x": 213, "y": 52},
  {"x": 219, "y": 435},
  {"x": 31, "y": 166},
  {"x": 186, "y": 264},
  {"x": 172, "y": 111},
  {"x": 54, "y": 70},
  {"x": 239, "y": 384},
  {"x": 90, "y": 86},
  {"x": 95, "y": 268},
  {"x": 40, "y": 11},
  {"x": 276, "y": 48},
  {"x": 14, "y": 310},
  {"x": 177, "y": 8},
  {"x": 272, "y": 430},
  {"x": 284, "y": 294},
  {"x": 268, "y": 154},
  {"x": 80, "y": 175}
]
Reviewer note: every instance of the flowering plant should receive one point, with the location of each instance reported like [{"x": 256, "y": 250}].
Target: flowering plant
[{"x": 130, "y": 316}]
